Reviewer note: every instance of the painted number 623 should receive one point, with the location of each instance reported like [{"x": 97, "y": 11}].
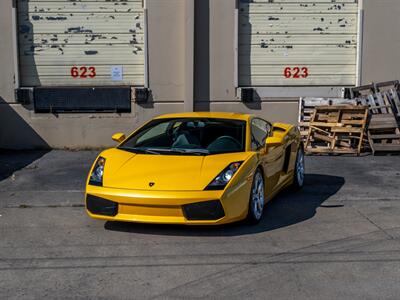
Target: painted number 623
[
  {"x": 83, "y": 72},
  {"x": 295, "y": 72}
]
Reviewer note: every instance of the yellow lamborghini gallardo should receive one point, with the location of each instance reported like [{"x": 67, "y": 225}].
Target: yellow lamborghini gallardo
[{"x": 195, "y": 169}]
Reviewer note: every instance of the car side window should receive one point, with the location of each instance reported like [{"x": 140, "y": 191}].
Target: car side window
[{"x": 260, "y": 130}]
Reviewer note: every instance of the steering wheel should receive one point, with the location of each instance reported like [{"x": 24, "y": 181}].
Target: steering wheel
[{"x": 223, "y": 143}]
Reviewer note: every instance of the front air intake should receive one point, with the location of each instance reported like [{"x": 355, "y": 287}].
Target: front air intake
[
  {"x": 100, "y": 206},
  {"x": 208, "y": 210}
]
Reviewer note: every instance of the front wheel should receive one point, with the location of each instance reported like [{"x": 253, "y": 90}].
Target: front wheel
[
  {"x": 257, "y": 199},
  {"x": 299, "y": 170}
]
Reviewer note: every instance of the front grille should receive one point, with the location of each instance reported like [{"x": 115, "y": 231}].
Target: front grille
[
  {"x": 100, "y": 206},
  {"x": 208, "y": 210}
]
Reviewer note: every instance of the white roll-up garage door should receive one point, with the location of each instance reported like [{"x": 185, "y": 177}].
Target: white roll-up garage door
[
  {"x": 298, "y": 43},
  {"x": 81, "y": 42}
]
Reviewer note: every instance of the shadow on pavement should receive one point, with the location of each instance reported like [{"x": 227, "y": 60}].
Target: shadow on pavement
[
  {"x": 288, "y": 208},
  {"x": 12, "y": 161}
]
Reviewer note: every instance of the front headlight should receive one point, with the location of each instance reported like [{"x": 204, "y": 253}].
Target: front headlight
[
  {"x": 96, "y": 178},
  {"x": 223, "y": 178}
]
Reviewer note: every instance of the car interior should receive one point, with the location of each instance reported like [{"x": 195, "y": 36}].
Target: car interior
[{"x": 216, "y": 136}]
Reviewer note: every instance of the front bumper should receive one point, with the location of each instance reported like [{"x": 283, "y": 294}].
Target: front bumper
[{"x": 168, "y": 207}]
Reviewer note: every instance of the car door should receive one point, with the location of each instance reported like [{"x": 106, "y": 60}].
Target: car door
[{"x": 270, "y": 158}]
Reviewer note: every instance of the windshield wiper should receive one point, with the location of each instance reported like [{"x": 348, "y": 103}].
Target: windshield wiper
[
  {"x": 140, "y": 150},
  {"x": 180, "y": 151},
  {"x": 191, "y": 151},
  {"x": 159, "y": 151}
]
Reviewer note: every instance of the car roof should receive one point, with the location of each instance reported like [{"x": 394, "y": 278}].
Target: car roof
[{"x": 216, "y": 115}]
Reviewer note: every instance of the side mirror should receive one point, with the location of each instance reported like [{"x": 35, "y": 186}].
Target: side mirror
[
  {"x": 119, "y": 137},
  {"x": 273, "y": 142}
]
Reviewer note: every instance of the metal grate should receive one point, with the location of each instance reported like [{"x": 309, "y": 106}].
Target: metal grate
[{"x": 82, "y": 99}]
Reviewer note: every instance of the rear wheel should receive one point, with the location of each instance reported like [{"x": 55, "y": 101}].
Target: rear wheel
[
  {"x": 299, "y": 170},
  {"x": 257, "y": 199}
]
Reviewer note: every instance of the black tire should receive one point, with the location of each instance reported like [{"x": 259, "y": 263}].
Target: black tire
[
  {"x": 257, "y": 199},
  {"x": 299, "y": 170}
]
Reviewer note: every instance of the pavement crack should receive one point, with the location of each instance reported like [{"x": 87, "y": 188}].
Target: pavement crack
[{"x": 391, "y": 237}]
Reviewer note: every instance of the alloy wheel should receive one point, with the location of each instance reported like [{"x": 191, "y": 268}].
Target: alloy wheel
[
  {"x": 258, "y": 196},
  {"x": 300, "y": 168}
]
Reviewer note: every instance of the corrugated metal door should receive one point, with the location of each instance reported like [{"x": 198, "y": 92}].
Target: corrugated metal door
[
  {"x": 298, "y": 43},
  {"x": 74, "y": 43}
]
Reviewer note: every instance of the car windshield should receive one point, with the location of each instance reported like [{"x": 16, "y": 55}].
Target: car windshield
[{"x": 188, "y": 136}]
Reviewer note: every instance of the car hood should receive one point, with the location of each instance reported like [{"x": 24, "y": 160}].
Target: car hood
[{"x": 126, "y": 170}]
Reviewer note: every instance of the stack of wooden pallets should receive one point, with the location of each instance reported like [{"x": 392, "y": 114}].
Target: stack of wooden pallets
[
  {"x": 384, "y": 105},
  {"x": 337, "y": 129},
  {"x": 331, "y": 125}
]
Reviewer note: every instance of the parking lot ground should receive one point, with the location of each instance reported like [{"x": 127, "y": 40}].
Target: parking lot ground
[{"x": 338, "y": 238}]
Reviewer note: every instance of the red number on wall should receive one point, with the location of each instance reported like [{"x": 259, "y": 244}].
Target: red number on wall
[
  {"x": 287, "y": 72},
  {"x": 83, "y": 72},
  {"x": 304, "y": 72},
  {"x": 92, "y": 73},
  {"x": 74, "y": 72},
  {"x": 295, "y": 72}
]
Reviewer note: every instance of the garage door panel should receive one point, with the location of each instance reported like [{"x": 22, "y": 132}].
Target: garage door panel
[
  {"x": 79, "y": 39},
  {"x": 313, "y": 7},
  {"x": 90, "y": 61},
  {"x": 100, "y": 80},
  {"x": 293, "y": 50},
  {"x": 293, "y": 60},
  {"x": 298, "y": 24},
  {"x": 303, "y": 2},
  {"x": 320, "y": 80},
  {"x": 264, "y": 40},
  {"x": 276, "y": 38},
  {"x": 297, "y": 55},
  {"x": 313, "y": 69},
  {"x": 82, "y": 54},
  {"x": 45, "y": 7},
  {"x": 83, "y": 23},
  {"x": 101, "y": 70},
  {"x": 85, "y": 49}
]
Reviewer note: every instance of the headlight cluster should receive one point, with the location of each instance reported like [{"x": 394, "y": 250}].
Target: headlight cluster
[
  {"x": 96, "y": 178},
  {"x": 223, "y": 178}
]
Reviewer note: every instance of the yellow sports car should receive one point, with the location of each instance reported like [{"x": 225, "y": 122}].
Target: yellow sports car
[{"x": 195, "y": 169}]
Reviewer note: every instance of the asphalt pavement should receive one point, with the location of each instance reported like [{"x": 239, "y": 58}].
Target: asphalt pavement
[{"x": 338, "y": 238}]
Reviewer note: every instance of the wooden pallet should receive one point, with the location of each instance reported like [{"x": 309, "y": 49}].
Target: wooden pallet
[
  {"x": 307, "y": 106},
  {"x": 373, "y": 88},
  {"x": 337, "y": 129},
  {"x": 383, "y": 133},
  {"x": 382, "y": 103},
  {"x": 383, "y": 96}
]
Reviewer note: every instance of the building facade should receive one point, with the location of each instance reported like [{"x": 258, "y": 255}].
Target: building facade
[{"x": 76, "y": 71}]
